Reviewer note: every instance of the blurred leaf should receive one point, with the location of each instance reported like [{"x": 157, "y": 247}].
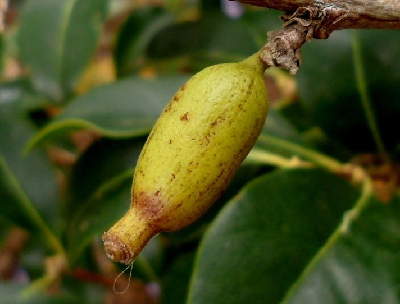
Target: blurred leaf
[
  {"x": 360, "y": 265},
  {"x": 99, "y": 213},
  {"x": 100, "y": 181},
  {"x": 57, "y": 39},
  {"x": 328, "y": 89},
  {"x": 277, "y": 126},
  {"x": 148, "y": 264},
  {"x": 266, "y": 236},
  {"x": 135, "y": 36},
  {"x": 210, "y": 40},
  {"x": 126, "y": 108},
  {"x": 381, "y": 59},
  {"x": 100, "y": 198},
  {"x": 2, "y": 51},
  {"x": 176, "y": 280},
  {"x": 105, "y": 159},
  {"x": 260, "y": 22},
  {"x": 11, "y": 293},
  {"x": 29, "y": 182}
]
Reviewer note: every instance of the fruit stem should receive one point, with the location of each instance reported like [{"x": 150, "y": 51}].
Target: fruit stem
[{"x": 255, "y": 60}]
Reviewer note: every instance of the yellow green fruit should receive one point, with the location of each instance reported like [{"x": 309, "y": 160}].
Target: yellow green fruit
[{"x": 192, "y": 153}]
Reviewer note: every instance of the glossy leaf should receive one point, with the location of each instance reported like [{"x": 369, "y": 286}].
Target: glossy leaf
[
  {"x": 28, "y": 186},
  {"x": 264, "y": 238},
  {"x": 360, "y": 264},
  {"x": 126, "y": 108},
  {"x": 57, "y": 39}
]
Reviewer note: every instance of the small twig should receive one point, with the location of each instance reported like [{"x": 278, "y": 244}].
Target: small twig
[
  {"x": 307, "y": 19},
  {"x": 382, "y": 14},
  {"x": 284, "y": 45}
]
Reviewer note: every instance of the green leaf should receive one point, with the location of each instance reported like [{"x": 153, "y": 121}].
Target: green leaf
[
  {"x": 176, "y": 279},
  {"x": 28, "y": 182},
  {"x": 99, "y": 213},
  {"x": 97, "y": 200},
  {"x": 2, "y": 52},
  {"x": 260, "y": 22},
  {"x": 135, "y": 35},
  {"x": 328, "y": 88},
  {"x": 57, "y": 39},
  {"x": 360, "y": 264},
  {"x": 262, "y": 240},
  {"x": 126, "y": 108},
  {"x": 210, "y": 40},
  {"x": 278, "y": 126},
  {"x": 102, "y": 161},
  {"x": 11, "y": 293}
]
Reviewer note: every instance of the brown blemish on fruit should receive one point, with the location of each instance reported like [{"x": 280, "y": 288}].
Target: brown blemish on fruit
[
  {"x": 219, "y": 120},
  {"x": 185, "y": 117},
  {"x": 208, "y": 138},
  {"x": 170, "y": 141},
  {"x": 150, "y": 206},
  {"x": 174, "y": 100}
]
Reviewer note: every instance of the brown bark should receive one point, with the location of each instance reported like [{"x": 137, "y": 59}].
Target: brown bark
[
  {"x": 383, "y": 14},
  {"x": 307, "y": 19}
]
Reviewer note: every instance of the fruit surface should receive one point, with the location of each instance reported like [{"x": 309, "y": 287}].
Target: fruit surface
[{"x": 192, "y": 153}]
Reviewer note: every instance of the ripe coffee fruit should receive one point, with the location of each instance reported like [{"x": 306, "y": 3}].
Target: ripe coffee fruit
[{"x": 192, "y": 153}]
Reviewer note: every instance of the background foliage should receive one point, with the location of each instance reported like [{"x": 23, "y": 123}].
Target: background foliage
[{"x": 312, "y": 216}]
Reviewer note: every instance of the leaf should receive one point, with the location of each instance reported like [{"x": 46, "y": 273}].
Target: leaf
[
  {"x": 27, "y": 184},
  {"x": 126, "y": 108},
  {"x": 176, "y": 279},
  {"x": 100, "y": 193},
  {"x": 328, "y": 88},
  {"x": 260, "y": 22},
  {"x": 135, "y": 35},
  {"x": 278, "y": 126},
  {"x": 2, "y": 54},
  {"x": 11, "y": 293},
  {"x": 267, "y": 235},
  {"x": 99, "y": 213},
  {"x": 210, "y": 40},
  {"x": 278, "y": 129},
  {"x": 57, "y": 39},
  {"x": 101, "y": 162},
  {"x": 360, "y": 264}
]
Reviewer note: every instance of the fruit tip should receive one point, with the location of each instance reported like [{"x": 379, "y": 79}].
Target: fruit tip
[{"x": 116, "y": 250}]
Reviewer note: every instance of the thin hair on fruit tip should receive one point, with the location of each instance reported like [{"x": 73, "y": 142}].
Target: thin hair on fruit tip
[{"x": 129, "y": 279}]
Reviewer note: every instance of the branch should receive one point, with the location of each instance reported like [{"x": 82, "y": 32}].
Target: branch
[
  {"x": 307, "y": 19},
  {"x": 382, "y": 14}
]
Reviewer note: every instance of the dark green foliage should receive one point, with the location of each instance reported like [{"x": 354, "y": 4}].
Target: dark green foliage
[{"x": 289, "y": 229}]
